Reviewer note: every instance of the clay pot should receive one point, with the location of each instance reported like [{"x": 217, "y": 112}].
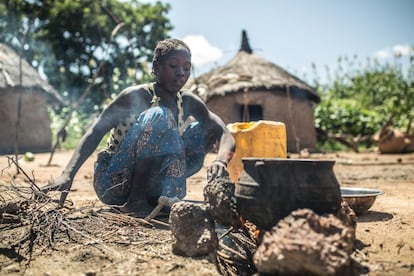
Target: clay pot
[{"x": 269, "y": 189}]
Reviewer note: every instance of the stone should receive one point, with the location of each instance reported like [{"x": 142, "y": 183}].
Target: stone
[
  {"x": 304, "y": 243},
  {"x": 219, "y": 193},
  {"x": 193, "y": 229}
]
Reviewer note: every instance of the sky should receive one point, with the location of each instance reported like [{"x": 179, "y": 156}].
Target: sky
[{"x": 293, "y": 33}]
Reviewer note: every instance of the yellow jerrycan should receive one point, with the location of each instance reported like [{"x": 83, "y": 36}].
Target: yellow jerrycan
[{"x": 263, "y": 138}]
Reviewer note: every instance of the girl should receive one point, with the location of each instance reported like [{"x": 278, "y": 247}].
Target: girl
[{"x": 159, "y": 137}]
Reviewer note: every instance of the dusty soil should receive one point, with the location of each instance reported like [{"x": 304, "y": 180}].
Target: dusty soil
[{"x": 385, "y": 234}]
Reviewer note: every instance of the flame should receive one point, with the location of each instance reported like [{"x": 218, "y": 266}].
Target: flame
[{"x": 252, "y": 228}]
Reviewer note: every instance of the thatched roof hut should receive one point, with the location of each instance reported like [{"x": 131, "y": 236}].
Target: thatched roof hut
[
  {"x": 30, "y": 78},
  {"x": 250, "y": 88},
  {"x": 20, "y": 80}
]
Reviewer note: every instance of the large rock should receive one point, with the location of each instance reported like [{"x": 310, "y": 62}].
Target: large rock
[
  {"x": 391, "y": 140},
  {"x": 305, "y": 243},
  {"x": 219, "y": 193},
  {"x": 193, "y": 229}
]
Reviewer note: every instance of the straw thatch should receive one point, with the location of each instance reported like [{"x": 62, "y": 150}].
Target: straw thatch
[
  {"x": 247, "y": 71},
  {"x": 30, "y": 78}
]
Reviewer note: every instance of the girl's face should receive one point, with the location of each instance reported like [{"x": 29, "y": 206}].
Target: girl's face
[{"x": 174, "y": 70}]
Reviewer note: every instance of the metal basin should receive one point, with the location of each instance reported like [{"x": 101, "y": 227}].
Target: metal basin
[{"x": 359, "y": 199}]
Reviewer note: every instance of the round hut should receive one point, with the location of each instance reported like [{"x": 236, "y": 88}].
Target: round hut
[
  {"x": 249, "y": 88},
  {"x": 21, "y": 85}
]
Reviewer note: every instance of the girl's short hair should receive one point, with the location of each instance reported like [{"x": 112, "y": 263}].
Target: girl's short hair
[{"x": 164, "y": 47}]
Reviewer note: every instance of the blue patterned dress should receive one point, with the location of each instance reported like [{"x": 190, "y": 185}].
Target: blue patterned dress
[{"x": 154, "y": 135}]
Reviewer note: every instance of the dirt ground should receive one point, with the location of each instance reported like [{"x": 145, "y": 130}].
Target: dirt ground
[{"x": 385, "y": 235}]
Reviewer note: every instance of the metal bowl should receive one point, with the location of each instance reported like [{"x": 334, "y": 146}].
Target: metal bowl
[{"x": 359, "y": 199}]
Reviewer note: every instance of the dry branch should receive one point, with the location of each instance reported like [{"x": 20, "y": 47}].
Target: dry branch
[
  {"x": 31, "y": 221},
  {"x": 348, "y": 140}
]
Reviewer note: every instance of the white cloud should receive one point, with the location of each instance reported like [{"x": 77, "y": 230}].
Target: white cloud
[
  {"x": 202, "y": 52},
  {"x": 383, "y": 54},
  {"x": 403, "y": 50}
]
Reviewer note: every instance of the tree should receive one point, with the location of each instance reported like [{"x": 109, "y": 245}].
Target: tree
[
  {"x": 69, "y": 40},
  {"x": 359, "y": 101}
]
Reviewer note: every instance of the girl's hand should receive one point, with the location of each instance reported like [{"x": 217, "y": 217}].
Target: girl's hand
[
  {"x": 218, "y": 169},
  {"x": 62, "y": 183}
]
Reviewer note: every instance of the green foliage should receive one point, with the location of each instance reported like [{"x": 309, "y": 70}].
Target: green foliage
[
  {"x": 360, "y": 100},
  {"x": 71, "y": 40},
  {"x": 79, "y": 123},
  {"x": 104, "y": 44},
  {"x": 75, "y": 128},
  {"x": 346, "y": 116},
  {"x": 330, "y": 145}
]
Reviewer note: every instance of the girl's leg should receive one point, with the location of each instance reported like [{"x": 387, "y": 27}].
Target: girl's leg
[{"x": 154, "y": 137}]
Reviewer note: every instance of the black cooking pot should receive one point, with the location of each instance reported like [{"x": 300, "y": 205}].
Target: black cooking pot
[{"x": 271, "y": 188}]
